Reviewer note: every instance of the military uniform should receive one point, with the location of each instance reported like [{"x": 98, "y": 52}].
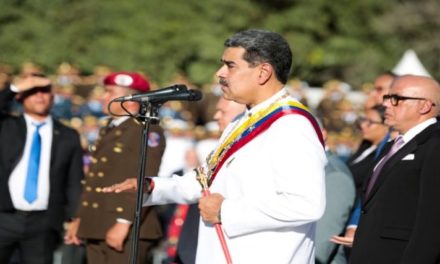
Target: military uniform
[{"x": 115, "y": 157}]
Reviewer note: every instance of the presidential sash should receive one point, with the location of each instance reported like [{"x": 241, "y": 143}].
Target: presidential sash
[{"x": 254, "y": 126}]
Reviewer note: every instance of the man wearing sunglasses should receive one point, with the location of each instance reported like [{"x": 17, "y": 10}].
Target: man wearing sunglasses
[{"x": 400, "y": 214}]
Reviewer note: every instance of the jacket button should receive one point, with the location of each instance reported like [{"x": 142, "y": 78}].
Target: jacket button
[{"x": 363, "y": 211}]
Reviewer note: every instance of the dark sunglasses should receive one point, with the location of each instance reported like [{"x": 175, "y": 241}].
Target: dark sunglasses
[{"x": 395, "y": 99}]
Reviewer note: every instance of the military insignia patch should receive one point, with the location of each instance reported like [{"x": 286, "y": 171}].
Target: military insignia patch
[{"x": 153, "y": 139}]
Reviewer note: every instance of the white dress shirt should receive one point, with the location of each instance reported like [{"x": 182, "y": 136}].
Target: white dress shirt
[{"x": 17, "y": 180}]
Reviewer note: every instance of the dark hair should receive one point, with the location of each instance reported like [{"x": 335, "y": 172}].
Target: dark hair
[
  {"x": 380, "y": 109},
  {"x": 264, "y": 46}
]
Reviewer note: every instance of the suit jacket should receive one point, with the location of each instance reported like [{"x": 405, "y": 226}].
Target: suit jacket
[
  {"x": 66, "y": 168},
  {"x": 340, "y": 197},
  {"x": 115, "y": 157},
  {"x": 399, "y": 220},
  {"x": 361, "y": 170}
]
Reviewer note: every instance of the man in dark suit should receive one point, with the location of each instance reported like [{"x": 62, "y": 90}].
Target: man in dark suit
[
  {"x": 40, "y": 173},
  {"x": 400, "y": 214},
  {"x": 105, "y": 220}
]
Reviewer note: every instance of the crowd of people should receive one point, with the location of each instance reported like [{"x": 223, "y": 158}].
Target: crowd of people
[
  {"x": 78, "y": 103},
  {"x": 289, "y": 184}
]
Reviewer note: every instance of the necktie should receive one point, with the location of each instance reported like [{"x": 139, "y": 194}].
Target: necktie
[
  {"x": 30, "y": 189},
  {"x": 396, "y": 146}
]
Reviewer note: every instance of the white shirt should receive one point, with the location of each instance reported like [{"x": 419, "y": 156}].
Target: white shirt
[
  {"x": 411, "y": 133},
  {"x": 414, "y": 131},
  {"x": 18, "y": 176},
  {"x": 274, "y": 193}
]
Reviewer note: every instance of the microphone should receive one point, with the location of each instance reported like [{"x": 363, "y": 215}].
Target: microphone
[{"x": 177, "y": 92}]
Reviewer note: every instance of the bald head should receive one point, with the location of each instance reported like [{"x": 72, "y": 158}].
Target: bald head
[
  {"x": 416, "y": 99},
  {"x": 420, "y": 86},
  {"x": 226, "y": 111}
]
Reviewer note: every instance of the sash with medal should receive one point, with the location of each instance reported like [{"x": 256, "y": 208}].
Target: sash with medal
[{"x": 253, "y": 127}]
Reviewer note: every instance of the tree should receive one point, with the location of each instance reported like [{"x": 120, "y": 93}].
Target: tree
[{"x": 349, "y": 40}]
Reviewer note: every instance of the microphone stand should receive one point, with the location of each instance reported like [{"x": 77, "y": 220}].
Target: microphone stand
[{"x": 148, "y": 113}]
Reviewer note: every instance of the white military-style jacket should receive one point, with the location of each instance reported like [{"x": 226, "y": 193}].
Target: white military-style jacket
[{"x": 274, "y": 193}]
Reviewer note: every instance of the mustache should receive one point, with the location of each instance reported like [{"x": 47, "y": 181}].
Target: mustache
[{"x": 223, "y": 82}]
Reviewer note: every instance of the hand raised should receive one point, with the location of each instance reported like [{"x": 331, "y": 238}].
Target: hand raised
[{"x": 24, "y": 84}]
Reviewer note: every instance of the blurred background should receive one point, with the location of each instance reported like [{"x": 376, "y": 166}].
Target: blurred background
[
  {"x": 344, "y": 39},
  {"x": 339, "y": 48}
]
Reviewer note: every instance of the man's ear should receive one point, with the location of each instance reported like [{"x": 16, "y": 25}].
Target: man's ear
[
  {"x": 426, "y": 107},
  {"x": 266, "y": 72}
]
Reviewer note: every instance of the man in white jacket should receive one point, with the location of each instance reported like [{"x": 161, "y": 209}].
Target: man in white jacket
[{"x": 266, "y": 175}]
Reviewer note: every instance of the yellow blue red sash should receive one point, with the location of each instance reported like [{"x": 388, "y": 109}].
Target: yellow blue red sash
[{"x": 251, "y": 129}]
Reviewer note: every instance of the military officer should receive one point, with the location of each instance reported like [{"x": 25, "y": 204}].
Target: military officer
[{"x": 104, "y": 220}]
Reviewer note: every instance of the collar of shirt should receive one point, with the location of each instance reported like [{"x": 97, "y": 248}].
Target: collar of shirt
[
  {"x": 117, "y": 121},
  {"x": 266, "y": 103},
  {"x": 249, "y": 112},
  {"x": 410, "y": 134},
  {"x": 364, "y": 154},
  {"x": 30, "y": 123}
]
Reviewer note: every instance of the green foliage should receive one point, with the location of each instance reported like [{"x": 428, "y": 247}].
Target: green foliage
[{"x": 350, "y": 40}]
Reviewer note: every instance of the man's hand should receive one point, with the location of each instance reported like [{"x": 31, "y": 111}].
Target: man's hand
[
  {"x": 129, "y": 185},
  {"x": 24, "y": 84},
  {"x": 346, "y": 240},
  {"x": 210, "y": 207},
  {"x": 72, "y": 229},
  {"x": 116, "y": 236}
]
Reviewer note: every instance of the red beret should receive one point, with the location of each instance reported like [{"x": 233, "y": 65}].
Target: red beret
[{"x": 128, "y": 79}]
